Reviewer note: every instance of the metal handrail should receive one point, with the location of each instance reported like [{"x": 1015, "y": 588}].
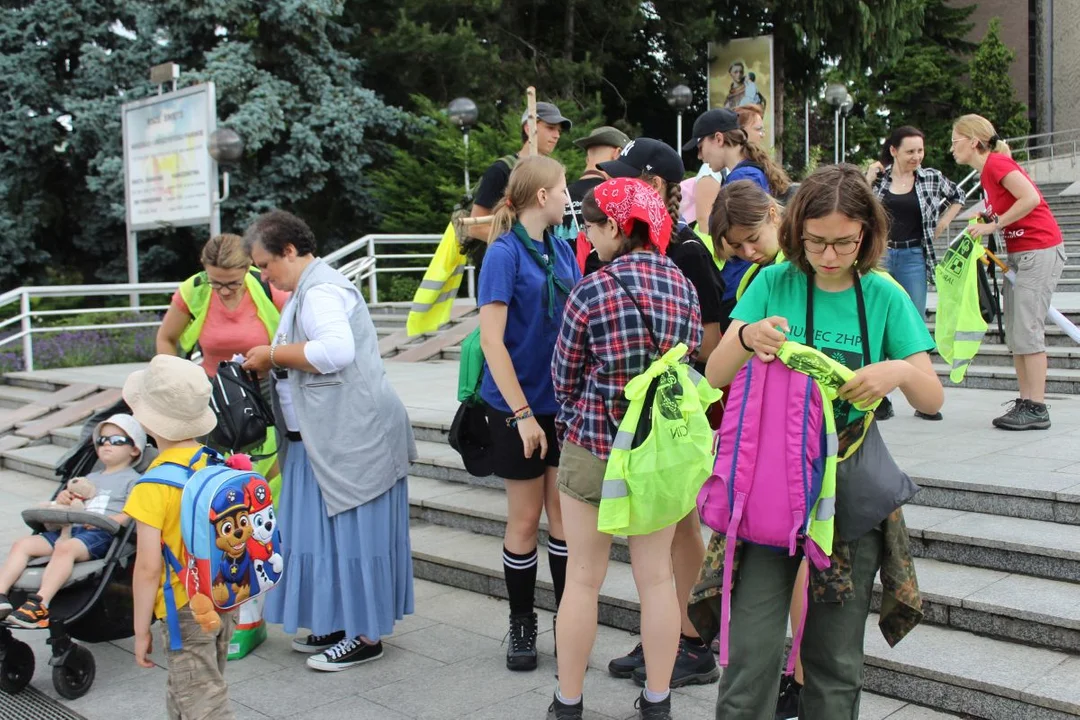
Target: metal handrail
[
  {"x": 1021, "y": 138},
  {"x": 357, "y": 260}
]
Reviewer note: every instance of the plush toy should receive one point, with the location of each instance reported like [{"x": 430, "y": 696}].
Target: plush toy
[
  {"x": 205, "y": 613},
  {"x": 81, "y": 491}
]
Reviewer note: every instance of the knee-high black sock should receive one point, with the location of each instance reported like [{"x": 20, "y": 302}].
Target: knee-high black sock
[
  {"x": 557, "y": 556},
  {"x": 520, "y": 574}
]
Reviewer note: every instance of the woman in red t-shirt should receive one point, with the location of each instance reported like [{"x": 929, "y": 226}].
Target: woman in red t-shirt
[{"x": 1036, "y": 254}]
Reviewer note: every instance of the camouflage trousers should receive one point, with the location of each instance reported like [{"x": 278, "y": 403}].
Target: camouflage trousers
[
  {"x": 832, "y": 645},
  {"x": 196, "y": 688}
]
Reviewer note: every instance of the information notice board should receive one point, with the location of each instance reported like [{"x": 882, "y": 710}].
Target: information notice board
[{"x": 169, "y": 176}]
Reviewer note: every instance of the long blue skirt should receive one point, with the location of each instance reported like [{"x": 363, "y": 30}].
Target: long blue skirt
[{"x": 350, "y": 572}]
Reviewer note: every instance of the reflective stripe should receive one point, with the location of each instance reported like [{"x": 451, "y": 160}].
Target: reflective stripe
[
  {"x": 826, "y": 508},
  {"x": 959, "y": 363},
  {"x": 613, "y": 489},
  {"x": 832, "y": 444},
  {"x": 695, "y": 376},
  {"x": 969, "y": 336},
  {"x": 418, "y": 307},
  {"x": 440, "y": 284},
  {"x": 623, "y": 440}
]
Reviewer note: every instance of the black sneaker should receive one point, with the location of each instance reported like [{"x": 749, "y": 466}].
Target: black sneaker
[
  {"x": 562, "y": 711},
  {"x": 884, "y": 411},
  {"x": 787, "y": 704},
  {"x": 1024, "y": 415},
  {"x": 521, "y": 642},
  {"x": 5, "y": 606},
  {"x": 32, "y": 615},
  {"x": 317, "y": 643},
  {"x": 624, "y": 667},
  {"x": 653, "y": 711},
  {"x": 348, "y": 653},
  {"x": 694, "y": 665}
]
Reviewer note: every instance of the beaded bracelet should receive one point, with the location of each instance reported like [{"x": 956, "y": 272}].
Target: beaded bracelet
[
  {"x": 518, "y": 417},
  {"x": 273, "y": 364}
]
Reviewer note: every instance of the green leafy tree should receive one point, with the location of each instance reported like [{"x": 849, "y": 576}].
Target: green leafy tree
[
  {"x": 992, "y": 94},
  {"x": 284, "y": 82}
]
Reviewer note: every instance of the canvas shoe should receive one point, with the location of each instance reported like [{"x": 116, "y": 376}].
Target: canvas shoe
[
  {"x": 1025, "y": 415},
  {"x": 348, "y": 653},
  {"x": 31, "y": 615},
  {"x": 521, "y": 646},
  {"x": 317, "y": 643},
  {"x": 624, "y": 667},
  {"x": 694, "y": 665}
]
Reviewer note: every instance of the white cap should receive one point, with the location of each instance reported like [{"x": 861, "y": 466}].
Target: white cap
[{"x": 129, "y": 425}]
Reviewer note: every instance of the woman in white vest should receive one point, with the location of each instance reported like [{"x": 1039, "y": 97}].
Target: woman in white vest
[{"x": 347, "y": 445}]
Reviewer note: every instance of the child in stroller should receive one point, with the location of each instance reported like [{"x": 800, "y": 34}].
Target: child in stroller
[{"x": 93, "y": 604}]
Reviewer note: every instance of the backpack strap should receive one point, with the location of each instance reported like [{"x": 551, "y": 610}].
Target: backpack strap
[{"x": 644, "y": 317}]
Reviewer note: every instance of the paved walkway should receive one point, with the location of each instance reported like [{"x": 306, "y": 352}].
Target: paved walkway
[{"x": 446, "y": 660}]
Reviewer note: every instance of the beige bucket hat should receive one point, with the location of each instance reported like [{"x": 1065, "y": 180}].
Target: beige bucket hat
[{"x": 171, "y": 398}]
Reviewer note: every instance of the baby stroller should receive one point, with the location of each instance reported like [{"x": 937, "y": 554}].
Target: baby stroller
[{"x": 95, "y": 605}]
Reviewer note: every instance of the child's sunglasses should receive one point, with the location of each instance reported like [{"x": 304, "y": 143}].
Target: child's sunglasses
[{"x": 114, "y": 440}]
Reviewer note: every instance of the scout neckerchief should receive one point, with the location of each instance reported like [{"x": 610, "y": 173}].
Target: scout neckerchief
[{"x": 546, "y": 263}]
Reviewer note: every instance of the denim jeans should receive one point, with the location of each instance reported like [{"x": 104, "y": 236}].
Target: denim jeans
[{"x": 908, "y": 267}]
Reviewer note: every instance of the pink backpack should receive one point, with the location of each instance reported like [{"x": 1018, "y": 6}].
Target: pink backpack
[{"x": 774, "y": 447}]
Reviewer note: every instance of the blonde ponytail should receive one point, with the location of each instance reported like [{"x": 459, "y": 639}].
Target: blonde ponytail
[
  {"x": 978, "y": 128},
  {"x": 529, "y": 176}
]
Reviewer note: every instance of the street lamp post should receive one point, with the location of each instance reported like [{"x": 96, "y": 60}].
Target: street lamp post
[
  {"x": 464, "y": 114},
  {"x": 679, "y": 97},
  {"x": 835, "y": 95},
  {"x": 845, "y": 110},
  {"x": 226, "y": 147}
]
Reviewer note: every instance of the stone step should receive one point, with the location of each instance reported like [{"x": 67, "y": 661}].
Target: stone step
[
  {"x": 1055, "y": 336},
  {"x": 1058, "y": 381},
  {"x": 66, "y": 437},
  {"x": 1010, "y": 606},
  {"x": 37, "y": 460},
  {"x": 953, "y": 670},
  {"x": 995, "y": 355},
  {"x": 1016, "y": 545},
  {"x": 13, "y": 396}
]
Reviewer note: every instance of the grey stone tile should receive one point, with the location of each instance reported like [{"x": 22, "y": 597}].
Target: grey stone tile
[
  {"x": 277, "y": 649},
  {"x": 424, "y": 590},
  {"x": 446, "y": 643},
  {"x": 611, "y": 697},
  {"x": 919, "y": 518},
  {"x": 454, "y": 691},
  {"x": 959, "y": 658},
  {"x": 350, "y": 708},
  {"x": 141, "y": 696},
  {"x": 298, "y": 689},
  {"x": 243, "y": 712},
  {"x": 1047, "y": 601},
  {"x": 252, "y": 666},
  {"x": 527, "y": 705},
  {"x": 980, "y": 477},
  {"x": 917, "y": 712},
  {"x": 1047, "y": 447},
  {"x": 1015, "y": 534},
  {"x": 949, "y": 584},
  {"x": 1058, "y": 689},
  {"x": 878, "y": 707},
  {"x": 422, "y": 489}
]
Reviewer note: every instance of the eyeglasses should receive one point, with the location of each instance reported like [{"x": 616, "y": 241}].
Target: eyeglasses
[
  {"x": 114, "y": 440},
  {"x": 230, "y": 286},
  {"x": 840, "y": 247},
  {"x": 957, "y": 140}
]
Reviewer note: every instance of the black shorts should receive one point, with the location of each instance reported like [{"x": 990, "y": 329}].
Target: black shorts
[{"x": 507, "y": 454}]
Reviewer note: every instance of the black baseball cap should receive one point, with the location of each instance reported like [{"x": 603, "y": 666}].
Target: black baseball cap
[
  {"x": 550, "y": 114},
  {"x": 709, "y": 123},
  {"x": 646, "y": 155}
]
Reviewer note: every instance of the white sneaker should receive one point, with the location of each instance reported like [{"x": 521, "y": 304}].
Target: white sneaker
[{"x": 346, "y": 654}]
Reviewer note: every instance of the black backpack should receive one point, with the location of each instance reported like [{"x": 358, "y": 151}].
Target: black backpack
[{"x": 243, "y": 414}]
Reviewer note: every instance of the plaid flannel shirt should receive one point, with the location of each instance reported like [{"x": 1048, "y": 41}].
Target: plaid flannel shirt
[
  {"x": 604, "y": 343},
  {"x": 932, "y": 188}
]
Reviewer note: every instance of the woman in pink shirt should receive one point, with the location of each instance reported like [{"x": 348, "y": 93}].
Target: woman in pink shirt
[{"x": 226, "y": 309}]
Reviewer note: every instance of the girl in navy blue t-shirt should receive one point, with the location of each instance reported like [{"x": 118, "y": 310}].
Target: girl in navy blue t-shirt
[{"x": 524, "y": 283}]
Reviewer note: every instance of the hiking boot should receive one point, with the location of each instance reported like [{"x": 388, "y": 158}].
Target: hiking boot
[
  {"x": 317, "y": 643},
  {"x": 624, "y": 667},
  {"x": 653, "y": 711},
  {"x": 5, "y": 606},
  {"x": 884, "y": 411},
  {"x": 348, "y": 653},
  {"x": 561, "y": 711},
  {"x": 1024, "y": 415},
  {"x": 31, "y": 615},
  {"x": 787, "y": 703},
  {"x": 694, "y": 665},
  {"x": 521, "y": 646}
]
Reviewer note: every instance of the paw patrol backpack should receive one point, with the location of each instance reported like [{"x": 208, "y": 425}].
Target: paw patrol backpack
[{"x": 231, "y": 539}]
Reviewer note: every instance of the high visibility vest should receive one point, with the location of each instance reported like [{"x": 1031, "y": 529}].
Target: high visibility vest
[
  {"x": 655, "y": 484},
  {"x": 706, "y": 240},
  {"x": 752, "y": 272},
  {"x": 434, "y": 298},
  {"x": 959, "y": 326},
  {"x": 196, "y": 292}
]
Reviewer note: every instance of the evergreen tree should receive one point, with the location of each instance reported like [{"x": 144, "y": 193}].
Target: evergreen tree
[{"x": 992, "y": 94}]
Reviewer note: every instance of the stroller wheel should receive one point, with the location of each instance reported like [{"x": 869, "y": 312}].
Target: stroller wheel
[
  {"x": 16, "y": 666},
  {"x": 73, "y": 679}
]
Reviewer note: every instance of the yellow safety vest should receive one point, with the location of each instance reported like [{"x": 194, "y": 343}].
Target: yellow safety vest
[
  {"x": 959, "y": 326},
  {"x": 434, "y": 298},
  {"x": 196, "y": 291}
]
